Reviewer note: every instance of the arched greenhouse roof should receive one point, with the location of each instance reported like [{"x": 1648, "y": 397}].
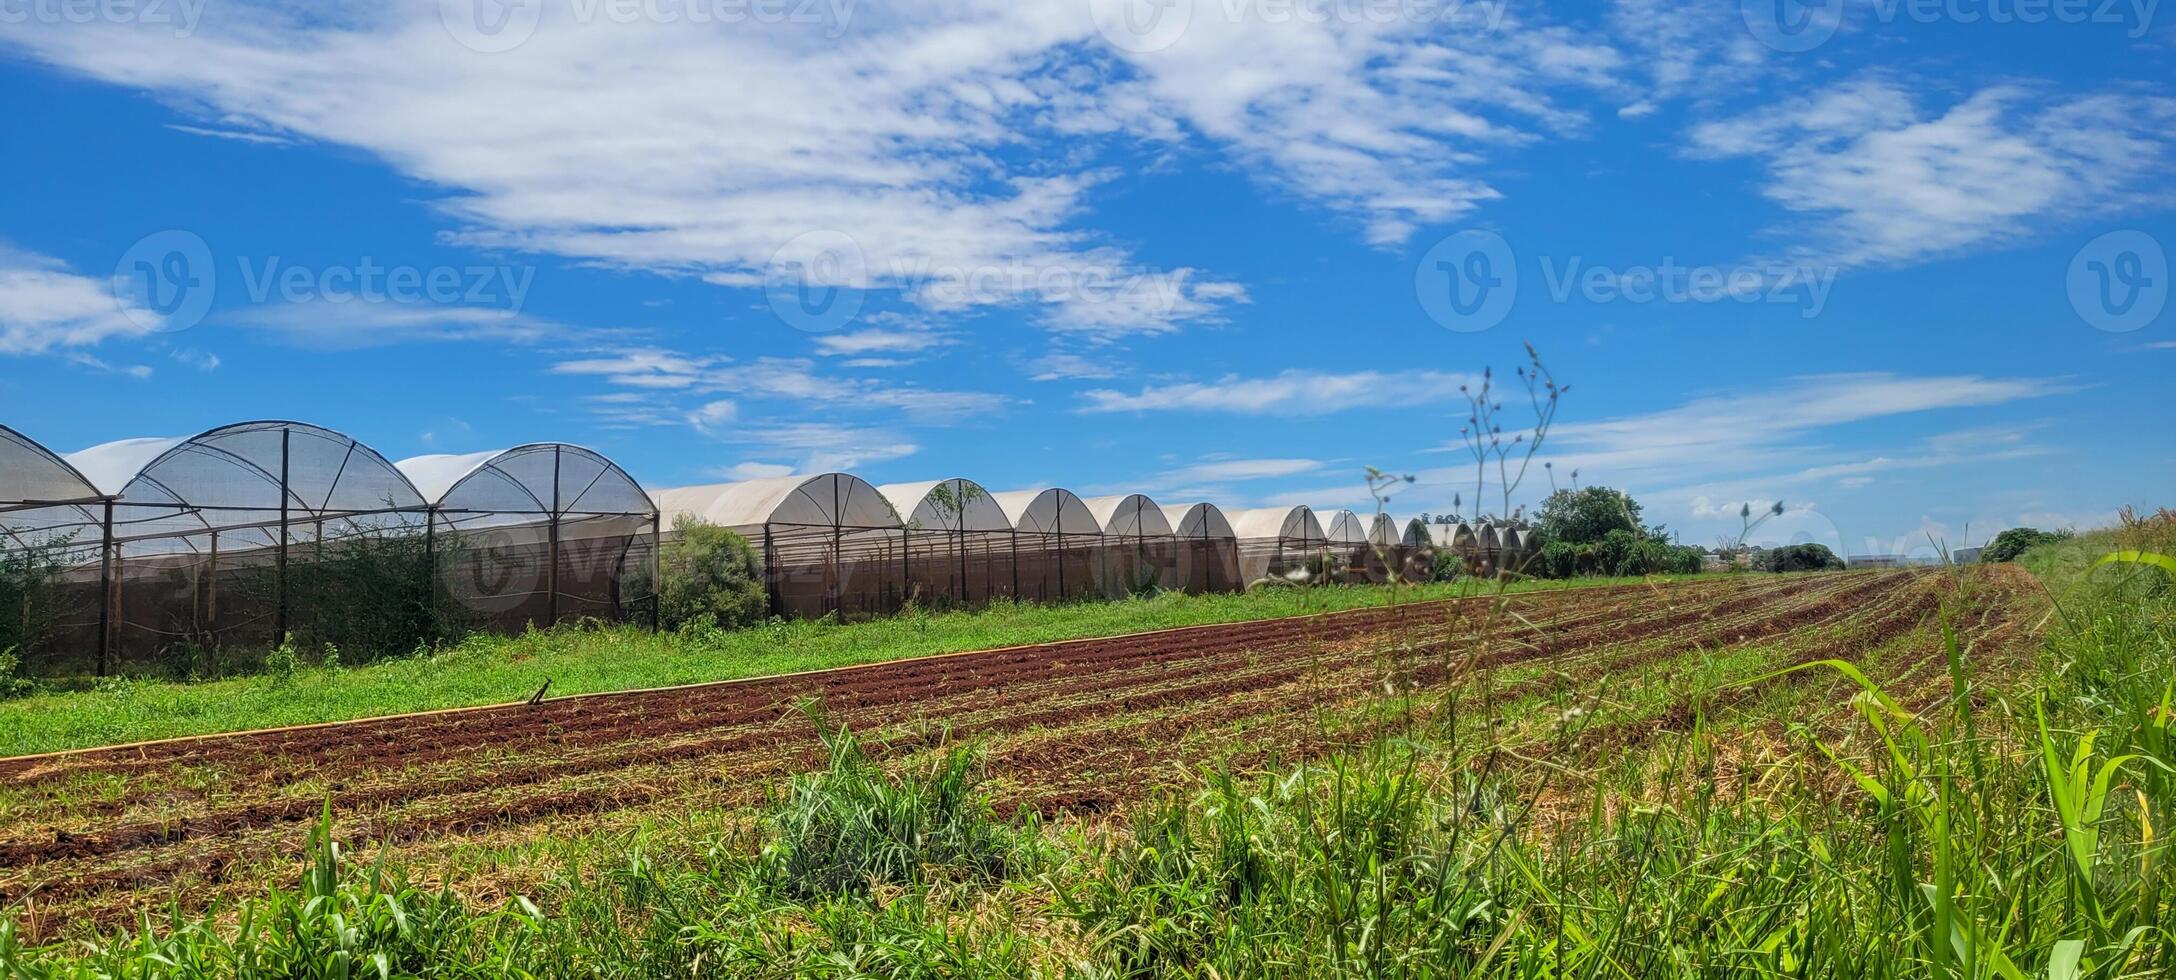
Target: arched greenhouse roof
[
  {"x": 946, "y": 505},
  {"x": 538, "y": 479},
  {"x": 1129, "y": 515},
  {"x": 1384, "y": 529},
  {"x": 234, "y": 476},
  {"x": 1277, "y": 522},
  {"x": 1453, "y": 535},
  {"x": 835, "y": 500},
  {"x": 1415, "y": 534},
  {"x": 1049, "y": 511},
  {"x": 1345, "y": 527},
  {"x": 1200, "y": 521},
  {"x": 33, "y": 474}
]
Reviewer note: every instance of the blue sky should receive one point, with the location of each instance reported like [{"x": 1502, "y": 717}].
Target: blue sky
[{"x": 1918, "y": 249}]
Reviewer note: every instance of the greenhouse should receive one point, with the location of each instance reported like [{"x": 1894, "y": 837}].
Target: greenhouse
[
  {"x": 1058, "y": 545},
  {"x": 1277, "y": 540},
  {"x": 1208, "y": 550},
  {"x": 1140, "y": 553},
  {"x": 830, "y": 544},
  {"x": 248, "y": 533},
  {"x": 1347, "y": 536},
  {"x": 538, "y": 534},
  {"x": 959, "y": 541},
  {"x": 51, "y": 517},
  {"x": 1417, "y": 551}
]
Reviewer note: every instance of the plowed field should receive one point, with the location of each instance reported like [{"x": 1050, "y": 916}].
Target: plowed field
[{"x": 1080, "y": 726}]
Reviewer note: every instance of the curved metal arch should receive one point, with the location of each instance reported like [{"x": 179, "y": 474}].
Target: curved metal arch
[
  {"x": 201, "y": 443},
  {"x": 490, "y": 461}
]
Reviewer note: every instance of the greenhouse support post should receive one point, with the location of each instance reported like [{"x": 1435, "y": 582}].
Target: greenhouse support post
[
  {"x": 105, "y": 591},
  {"x": 551, "y": 575},
  {"x": 279, "y": 577},
  {"x": 657, "y": 570}
]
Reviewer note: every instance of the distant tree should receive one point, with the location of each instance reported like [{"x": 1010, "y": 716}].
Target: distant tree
[
  {"x": 1809, "y": 557},
  {"x": 2008, "y": 545},
  {"x": 710, "y": 575},
  {"x": 1587, "y": 515}
]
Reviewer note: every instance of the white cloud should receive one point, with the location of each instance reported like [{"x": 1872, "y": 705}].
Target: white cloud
[
  {"x": 1058, "y": 367},
  {"x": 1241, "y": 469},
  {"x": 1885, "y": 181},
  {"x": 879, "y": 341},
  {"x": 1744, "y": 433},
  {"x": 1289, "y": 393},
  {"x": 45, "y": 307},
  {"x": 755, "y": 471},
  {"x": 711, "y": 416},
  {"x": 353, "y": 324},
  {"x": 1384, "y": 119},
  {"x": 702, "y": 149},
  {"x": 822, "y": 447}
]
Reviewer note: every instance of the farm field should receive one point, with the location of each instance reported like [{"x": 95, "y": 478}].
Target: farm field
[
  {"x": 1070, "y": 731},
  {"x": 486, "y": 669}
]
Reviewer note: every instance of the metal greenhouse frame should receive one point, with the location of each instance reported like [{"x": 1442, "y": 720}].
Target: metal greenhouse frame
[
  {"x": 1346, "y": 534},
  {"x": 251, "y": 532},
  {"x": 1140, "y": 552},
  {"x": 1058, "y": 545},
  {"x": 1208, "y": 549},
  {"x": 959, "y": 542},
  {"x": 538, "y": 534},
  {"x": 831, "y": 543},
  {"x": 51, "y": 516},
  {"x": 1276, "y": 540},
  {"x": 1417, "y": 551}
]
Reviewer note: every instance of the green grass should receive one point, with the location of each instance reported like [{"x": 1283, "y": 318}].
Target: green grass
[
  {"x": 2015, "y": 826},
  {"x": 493, "y": 670}
]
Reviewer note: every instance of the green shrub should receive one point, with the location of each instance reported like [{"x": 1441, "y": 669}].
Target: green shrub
[
  {"x": 1558, "y": 559},
  {"x": 853, "y": 825},
  {"x": 2014, "y": 542},
  {"x": 1807, "y": 557},
  {"x": 711, "y": 575},
  {"x": 12, "y": 682}
]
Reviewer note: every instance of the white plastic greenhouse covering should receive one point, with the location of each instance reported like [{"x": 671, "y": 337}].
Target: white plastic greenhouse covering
[
  {"x": 959, "y": 542},
  {"x": 1208, "y": 548},
  {"x": 250, "y": 532},
  {"x": 1140, "y": 554},
  {"x": 538, "y": 534},
  {"x": 1058, "y": 545},
  {"x": 1277, "y": 540},
  {"x": 831, "y": 543},
  {"x": 1346, "y": 534},
  {"x": 181, "y": 555}
]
